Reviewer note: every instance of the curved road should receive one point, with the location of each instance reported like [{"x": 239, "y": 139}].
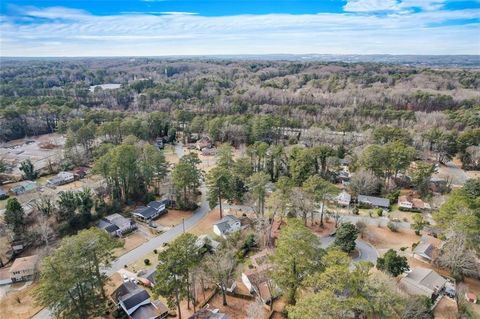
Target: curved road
[{"x": 367, "y": 251}]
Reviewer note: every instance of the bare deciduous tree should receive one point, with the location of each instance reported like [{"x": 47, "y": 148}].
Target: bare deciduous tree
[
  {"x": 220, "y": 268},
  {"x": 456, "y": 257}
]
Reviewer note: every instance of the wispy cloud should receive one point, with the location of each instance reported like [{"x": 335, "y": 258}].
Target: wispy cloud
[
  {"x": 68, "y": 32},
  {"x": 392, "y": 5}
]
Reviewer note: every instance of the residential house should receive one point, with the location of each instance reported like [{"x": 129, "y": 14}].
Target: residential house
[
  {"x": 24, "y": 187},
  {"x": 410, "y": 203},
  {"x": 427, "y": 249},
  {"x": 372, "y": 201},
  {"x": 116, "y": 225},
  {"x": 3, "y": 194},
  {"x": 24, "y": 268},
  {"x": 258, "y": 283},
  {"x": 61, "y": 179},
  {"x": 152, "y": 210},
  {"x": 227, "y": 225},
  {"x": 209, "y": 314},
  {"x": 136, "y": 302},
  {"x": 344, "y": 177},
  {"x": 343, "y": 199},
  {"x": 423, "y": 281}
]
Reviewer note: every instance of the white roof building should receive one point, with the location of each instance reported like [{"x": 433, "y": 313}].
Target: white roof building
[{"x": 227, "y": 225}]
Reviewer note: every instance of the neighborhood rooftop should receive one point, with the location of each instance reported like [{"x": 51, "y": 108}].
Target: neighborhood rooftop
[
  {"x": 422, "y": 281},
  {"x": 24, "y": 263},
  {"x": 374, "y": 201}
]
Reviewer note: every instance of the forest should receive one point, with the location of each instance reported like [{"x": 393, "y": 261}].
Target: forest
[{"x": 37, "y": 96}]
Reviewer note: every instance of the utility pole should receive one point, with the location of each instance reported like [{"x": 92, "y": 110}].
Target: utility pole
[{"x": 183, "y": 225}]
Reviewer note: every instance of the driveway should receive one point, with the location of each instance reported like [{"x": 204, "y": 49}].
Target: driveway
[
  {"x": 366, "y": 251},
  {"x": 153, "y": 243},
  {"x": 453, "y": 172},
  {"x": 157, "y": 242}
]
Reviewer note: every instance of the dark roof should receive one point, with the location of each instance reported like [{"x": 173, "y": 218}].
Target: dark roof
[
  {"x": 146, "y": 212},
  {"x": 134, "y": 298},
  {"x": 226, "y": 223},
  {"x": 152, "y": 310},
  {"x": 158, "y": 204},
  {"x": 123, "y": 290},
  {"x": 375, "y": 201},
  {"x": 106, "y": 225}
]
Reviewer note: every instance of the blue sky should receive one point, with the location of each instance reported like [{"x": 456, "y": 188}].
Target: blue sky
[{"x": 202, "y": 27}]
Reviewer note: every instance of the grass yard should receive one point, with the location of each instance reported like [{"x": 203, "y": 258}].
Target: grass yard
[
  {"x": 383, "y": 238},
  {"x": 131, "y": 242},
  {"x": 173, "y": 218},
  {"x": 205, "y": 226},
  {"x": 19, "y": 304}
]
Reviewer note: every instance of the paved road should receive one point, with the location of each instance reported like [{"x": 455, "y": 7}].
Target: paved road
[
  {"x": 366, "y": 251},
  {"x": 452, "y": 171},
  {"x": 153, "y": 243},
  {"x": 149, "y": 246},
  {"x": 157, "y": 242}
]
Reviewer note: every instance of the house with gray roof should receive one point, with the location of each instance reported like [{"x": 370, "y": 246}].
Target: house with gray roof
[
  {"x": 153, "y": 210},
  {"x": 227, "y": 225},
  {"x": 116, "y": 225},
  {"x": 136, "y": 303},
  {"x": 61, "y": 179},
  {"x": 343, "y": 199},
  {"x": 423, "y": 281},
  {"x": 373, "y": 201},
  {"x": 3, "y": 194},
  {"x": 24, "y": 187}
]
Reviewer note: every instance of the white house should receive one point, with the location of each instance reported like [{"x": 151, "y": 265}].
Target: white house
[
  {"x": 407, "y": 202},
  {"x": 258, "y": 282},
  {"x": 343, "y": 199},
  {"x": 227, "y": 225}
]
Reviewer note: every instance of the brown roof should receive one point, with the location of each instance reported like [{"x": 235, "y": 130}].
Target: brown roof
[{"x": 24, "y": 263}]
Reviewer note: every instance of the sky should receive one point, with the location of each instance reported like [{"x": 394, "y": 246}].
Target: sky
[{"x": 37, "y": 28}]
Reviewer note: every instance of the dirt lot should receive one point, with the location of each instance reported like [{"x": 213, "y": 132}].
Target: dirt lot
[
  {"x": 446, "y": 309},
  {"x": 19, "y": 304},
  {"x": 16, "y": 151},
  {"x": 173, "y": 217},
  {"x": 383, "y": 238},
  {"x": 132, "y": 241},
  {"x": 205, "y": 225}
]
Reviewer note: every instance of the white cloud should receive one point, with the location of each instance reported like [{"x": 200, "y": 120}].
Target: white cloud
[
  {"x": 83, "y": 34},
  {"x": 371, "y": 5},
  {"x": 391, "y": 5}
]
